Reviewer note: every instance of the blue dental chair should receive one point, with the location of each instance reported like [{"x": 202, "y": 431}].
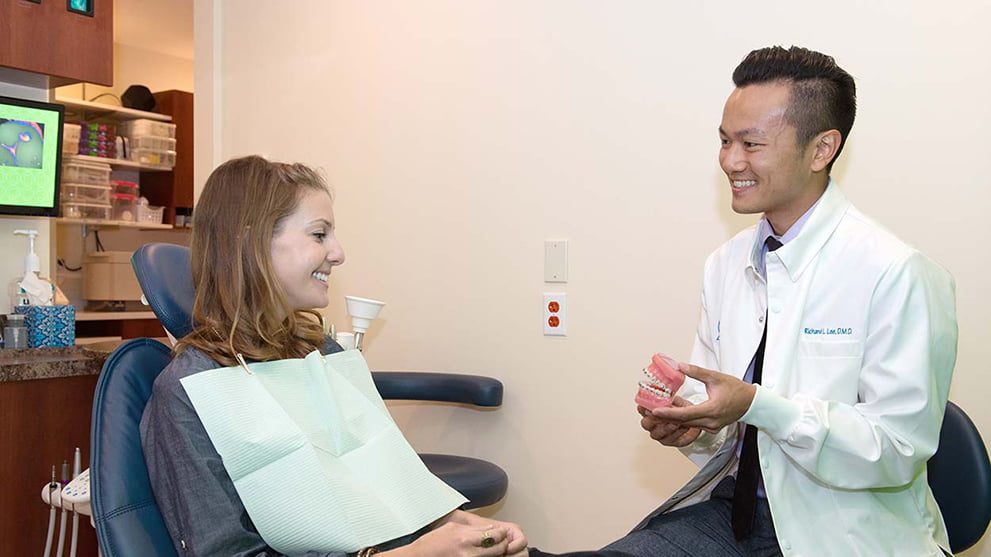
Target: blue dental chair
[
  {"x": 128, "y": 521},
  {"x": 125, "y": 513},
  {"x": 960, "y": 479}
]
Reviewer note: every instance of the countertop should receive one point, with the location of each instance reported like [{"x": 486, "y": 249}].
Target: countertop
[
  {"x": 49, "y": 363},
  {"x": 113, "y": 315}
]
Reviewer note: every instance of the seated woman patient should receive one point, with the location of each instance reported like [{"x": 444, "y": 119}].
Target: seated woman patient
[{"x": 262, "y": 251}]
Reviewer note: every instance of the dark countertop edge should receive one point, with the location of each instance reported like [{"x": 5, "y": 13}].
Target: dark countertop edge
[{"x": 50, "y": 363}]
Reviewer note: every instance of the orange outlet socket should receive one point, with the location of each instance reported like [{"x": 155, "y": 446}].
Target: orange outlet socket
[{"x": 555, "y": 314}]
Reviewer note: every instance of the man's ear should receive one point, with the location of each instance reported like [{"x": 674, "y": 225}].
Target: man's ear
[{"x": 825, "y": 146}]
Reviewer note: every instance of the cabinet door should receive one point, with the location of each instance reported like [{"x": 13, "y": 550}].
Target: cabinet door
[
  {"x": 47, "y": 38},
  {"x": 41, "y": 422},
  {"x": 174, "y": 189}
]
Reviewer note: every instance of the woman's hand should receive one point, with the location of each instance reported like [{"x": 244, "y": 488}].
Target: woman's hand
[
  {"x": 461, "y": 534},
  {"x": 453, "y": 539},
  {"x": 517, "y": 540}
]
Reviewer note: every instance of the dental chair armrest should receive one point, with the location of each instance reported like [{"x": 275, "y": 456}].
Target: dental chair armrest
[{"x": 439, "y": 387}]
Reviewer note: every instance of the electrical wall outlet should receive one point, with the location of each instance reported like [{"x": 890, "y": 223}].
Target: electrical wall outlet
[{"x": 555, "y": 314}]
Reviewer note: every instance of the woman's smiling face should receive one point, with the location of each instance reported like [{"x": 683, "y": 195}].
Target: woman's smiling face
[{"x": 305, "y": 249}]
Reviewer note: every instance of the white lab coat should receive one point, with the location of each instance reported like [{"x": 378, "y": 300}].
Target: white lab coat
[{"x": 861, "y": 343}]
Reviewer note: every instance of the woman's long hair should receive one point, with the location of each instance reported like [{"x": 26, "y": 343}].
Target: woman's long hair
[{"x": 240, "y": 305}]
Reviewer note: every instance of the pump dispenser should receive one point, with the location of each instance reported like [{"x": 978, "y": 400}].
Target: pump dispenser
[
  {"x": 31, "y": 289},
  {"x": 32, "y": 264}
]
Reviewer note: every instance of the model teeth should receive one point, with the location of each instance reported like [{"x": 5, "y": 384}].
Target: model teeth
[
  {"x": 660, "y": 391},
  {"x": 654, "y": 387},
  {"x": 322, "y": 277},
  {"x": 744, "y": 183}
]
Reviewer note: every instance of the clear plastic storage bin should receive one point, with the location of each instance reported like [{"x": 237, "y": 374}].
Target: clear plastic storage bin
[
  {"x": 86, "y": 211},
  {"x": 93, "y": 174},
  {"x": 125, "y": 207},
  {"x": 97, "y": 130},
  {"x": 83, "y": 193},
  {"x": 70, "y": 138},
  {"x": 106, "y": 150},
  {"x": 155, "y": 158},
  {"x": 125, "y": 187},
  {"x": 71, "y": 131},
  {"x": 152, "y": 142},
  {"x": 70, "y": 147},
  {"x": 134, "y": 128}
]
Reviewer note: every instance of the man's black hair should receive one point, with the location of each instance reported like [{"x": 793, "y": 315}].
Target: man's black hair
[{"x": 823, "y": 95}]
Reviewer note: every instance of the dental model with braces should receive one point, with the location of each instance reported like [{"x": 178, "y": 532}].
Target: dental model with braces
[{"x": 660, "y": 382}]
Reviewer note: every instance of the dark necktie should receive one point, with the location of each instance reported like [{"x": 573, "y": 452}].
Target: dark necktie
[{"x": 748, "y": 473}]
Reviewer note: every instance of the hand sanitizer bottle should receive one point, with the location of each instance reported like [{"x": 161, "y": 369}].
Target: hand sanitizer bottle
[{"x": 32, "y": 264}]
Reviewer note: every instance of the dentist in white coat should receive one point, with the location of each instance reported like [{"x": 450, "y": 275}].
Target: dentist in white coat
[{"x": 854, "y": 334}]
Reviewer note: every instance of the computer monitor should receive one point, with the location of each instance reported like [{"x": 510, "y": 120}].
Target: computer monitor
[{"x": 30, "y": 156}]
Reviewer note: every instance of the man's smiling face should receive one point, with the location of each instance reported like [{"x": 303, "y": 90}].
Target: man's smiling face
[{"x": 768, "y": 171}]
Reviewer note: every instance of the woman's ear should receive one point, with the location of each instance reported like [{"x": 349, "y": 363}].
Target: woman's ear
[{"x": 826, "y": 144}]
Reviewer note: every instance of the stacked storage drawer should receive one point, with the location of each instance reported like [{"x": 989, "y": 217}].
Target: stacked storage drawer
[
  {"x": 98, "y": 140},
  {"x": 85, "y": 190},
  {"x": 150, "y": 142}
]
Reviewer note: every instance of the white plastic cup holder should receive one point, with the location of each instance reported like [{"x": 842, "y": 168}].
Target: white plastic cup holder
[{"x": 362, "y": 312}]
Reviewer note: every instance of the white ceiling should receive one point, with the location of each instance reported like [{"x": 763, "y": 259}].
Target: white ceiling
[{"x": 164, "y": 26}]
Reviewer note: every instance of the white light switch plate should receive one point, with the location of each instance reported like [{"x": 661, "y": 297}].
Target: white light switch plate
[{"x": 556, "y": 261}]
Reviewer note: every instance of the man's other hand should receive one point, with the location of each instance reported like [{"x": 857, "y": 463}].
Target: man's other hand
[
  {"x": 666, "y": 432},
  {"x": 729, "y": 400}
]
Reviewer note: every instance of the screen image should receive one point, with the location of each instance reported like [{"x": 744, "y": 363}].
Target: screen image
[
  {"x": 30, "y": 156},
  {"x": 22, "y": 143}
]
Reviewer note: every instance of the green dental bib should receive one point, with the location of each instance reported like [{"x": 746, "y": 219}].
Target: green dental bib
[{"x": 314, "y": 454}]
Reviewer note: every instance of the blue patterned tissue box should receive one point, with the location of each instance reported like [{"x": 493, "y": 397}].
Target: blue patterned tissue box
[{"x": 49, "y": 326}]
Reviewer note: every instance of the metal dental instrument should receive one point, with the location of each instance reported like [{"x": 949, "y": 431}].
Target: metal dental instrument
[
  {"x": 65, "y": 512},
  {"x": 76, "y": 469},
  {"x": 53, "y": 487}
]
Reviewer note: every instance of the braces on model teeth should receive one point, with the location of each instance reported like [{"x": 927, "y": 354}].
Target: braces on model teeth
[
  {"x": 652, "y": 385},
  {"x": 661, "y": 381}
]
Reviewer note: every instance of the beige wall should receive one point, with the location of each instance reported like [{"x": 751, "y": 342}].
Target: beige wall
[
  {"x": 137, "y": 66},
  {"x": 461, "y": 135}
]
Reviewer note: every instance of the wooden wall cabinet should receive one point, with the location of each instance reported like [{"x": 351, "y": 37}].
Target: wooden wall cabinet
[
  {"x": 174, "y": 189},
  {"x": 46, "y": 38}
]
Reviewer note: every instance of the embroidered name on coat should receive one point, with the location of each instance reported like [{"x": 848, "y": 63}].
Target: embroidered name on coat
[{"x": 828, "y": 330}]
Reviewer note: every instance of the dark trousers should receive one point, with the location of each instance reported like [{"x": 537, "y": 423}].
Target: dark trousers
[
  {"x": 703, "y": 529},
  {"x": 538, "y": 553}
]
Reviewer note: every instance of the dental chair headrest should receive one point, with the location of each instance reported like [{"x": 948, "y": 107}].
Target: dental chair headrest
[{"x": 165, "y": 276}]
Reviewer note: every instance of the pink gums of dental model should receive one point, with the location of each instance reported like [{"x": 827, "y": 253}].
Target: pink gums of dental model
[{"x": 660, "y": 382}]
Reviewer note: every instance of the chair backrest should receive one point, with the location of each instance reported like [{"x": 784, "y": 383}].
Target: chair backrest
[
  {"x": 170, "y": 294},
  {"x": 960, "y": 479},
  {"x": 126, "y": 515}
]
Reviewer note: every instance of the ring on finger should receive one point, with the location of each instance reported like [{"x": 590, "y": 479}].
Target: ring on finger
[{"x": 488, "y": 540}]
